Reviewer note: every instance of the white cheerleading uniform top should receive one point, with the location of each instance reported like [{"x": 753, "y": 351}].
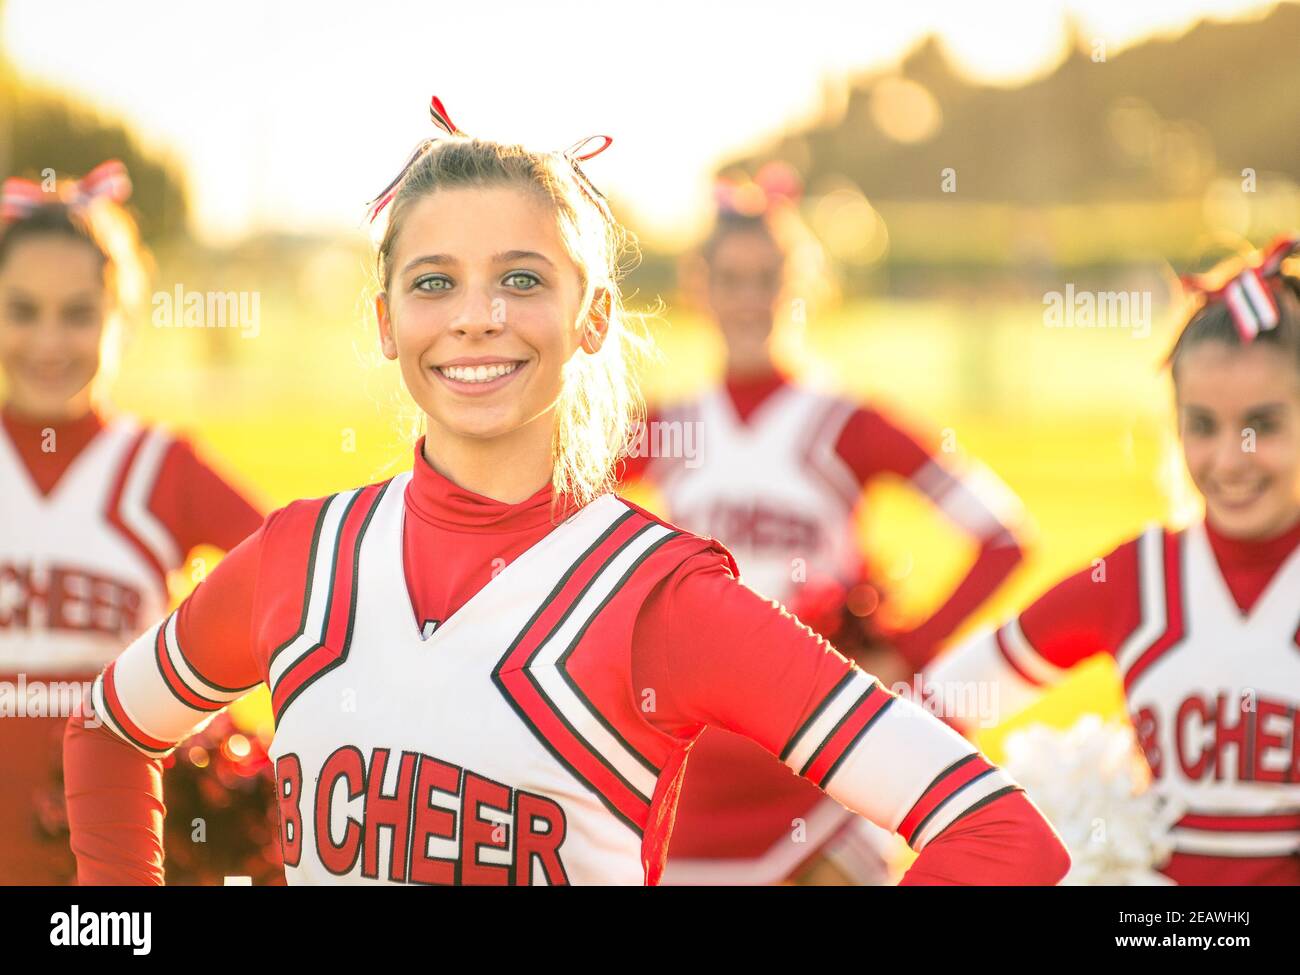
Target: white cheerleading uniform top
[
  {"x": 1215, "y": 696},
  {"x": 772, "y": 488},
  {"x": 455, "y": 727},
  {"x": 82, "y": 570}
]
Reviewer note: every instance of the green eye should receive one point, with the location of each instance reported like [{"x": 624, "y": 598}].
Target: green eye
[
  {"x": 527, "y": 277},
  {"x": 432, "y": 279}
]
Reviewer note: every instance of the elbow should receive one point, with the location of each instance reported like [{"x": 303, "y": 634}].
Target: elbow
[{"x": 1047, "y": 860}]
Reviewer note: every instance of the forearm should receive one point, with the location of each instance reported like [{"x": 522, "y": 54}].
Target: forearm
[
  {"x": 115, "y": 808},
  {"x": 1004, "y": 843}
]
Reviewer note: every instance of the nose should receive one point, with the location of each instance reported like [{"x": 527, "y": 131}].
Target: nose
[
  {"x": 480, "y": 313},
  {"x": 48, "y": 337},
  {"x": 1233, "y": 452}
]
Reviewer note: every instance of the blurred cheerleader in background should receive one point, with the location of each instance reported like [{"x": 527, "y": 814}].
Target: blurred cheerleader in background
[
  {"x": 1204, "y": 621},
  {"x": 95, "y": 509},
  {"x": 779, "y": 477}
]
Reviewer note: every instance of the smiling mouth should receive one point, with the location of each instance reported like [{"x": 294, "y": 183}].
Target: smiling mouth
[
  {"x": 1240, "y": 496},
  {"x": 48, "y": 374},
  {"x": 478, "y": 374}
]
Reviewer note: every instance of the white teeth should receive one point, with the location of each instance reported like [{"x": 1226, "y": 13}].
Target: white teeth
[
  {"x": 478, "y": 374},
  {"x": 1239, "y": 495}
]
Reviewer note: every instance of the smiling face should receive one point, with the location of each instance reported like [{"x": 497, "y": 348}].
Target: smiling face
[
  {"x": 1251, "y": 482},
  {"x": 746, "y": 276},
  {"x": 481, "y": 312},
  {"x": 53, "y": 304}
]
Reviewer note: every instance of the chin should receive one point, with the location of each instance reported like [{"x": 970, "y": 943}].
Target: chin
[
  {"x": 1248, "y": 524},
  {"x": 476, "y": 427},
  {"x": 48, "y": 404}
]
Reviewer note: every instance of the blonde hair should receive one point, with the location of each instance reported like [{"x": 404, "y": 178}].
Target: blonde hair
[{"x": 600, "y": 406}]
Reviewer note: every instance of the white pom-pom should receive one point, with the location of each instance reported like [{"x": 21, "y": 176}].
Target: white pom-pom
[{"x": 1092, "y": 785}]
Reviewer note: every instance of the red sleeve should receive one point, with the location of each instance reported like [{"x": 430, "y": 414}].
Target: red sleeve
[
  {"x": 1002, "y": 844},
  {"x": 1093, "y": 611},
  {"x": 872, "y": 444},
  {"x": 990, "y": 569},
  {"x": 115, "y": 808},
  {"x": 198, "y": 505},
  {"x": 727, "y": 657},
  {"x": 747, "y": 657},
  {"x": 1090, "y": 612},
  {"x": 113, "y": 790}
]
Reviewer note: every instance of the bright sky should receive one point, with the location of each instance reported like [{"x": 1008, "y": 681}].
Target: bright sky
[{"x": 292, "y": 114}]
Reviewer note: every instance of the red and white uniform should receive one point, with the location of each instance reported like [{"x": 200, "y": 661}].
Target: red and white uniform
[
  {"x": 1205, "y": 631},
  {"x": 467, "y": 693},
  {"x": 93, "y": 516},
  {"x": 776, "y": 470}
]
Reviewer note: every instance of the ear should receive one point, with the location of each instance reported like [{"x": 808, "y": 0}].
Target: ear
[
  {"x": 386, "y": 342},
  {"x": 596, "y": 326}
]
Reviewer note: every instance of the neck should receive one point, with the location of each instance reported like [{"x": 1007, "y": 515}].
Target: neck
[
  {"x": 1284, "y": 526},
  {"x": 509, "y": 469},
  {"x": 74, "y": 409},
  {"x": 745, "y": 368}
]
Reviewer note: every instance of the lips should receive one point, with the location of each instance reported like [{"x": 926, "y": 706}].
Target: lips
[
  {"x": 481, "y": 373},
  {"x": 1240, "y": 497},
  {"x": 479, "y": 377},
  {"x": 47, "y": 374}
]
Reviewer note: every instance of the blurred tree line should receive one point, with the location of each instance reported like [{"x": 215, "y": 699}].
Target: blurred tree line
[
  {"x": 1157, "y": 119},
  {"x": 40, "y": 130}
]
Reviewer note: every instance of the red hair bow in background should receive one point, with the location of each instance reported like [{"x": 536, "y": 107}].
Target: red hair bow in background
[
  {"x": 1247, "y": 294},
  {"x": 775, "y": 184},
  {"x": 19, "y": 198}
]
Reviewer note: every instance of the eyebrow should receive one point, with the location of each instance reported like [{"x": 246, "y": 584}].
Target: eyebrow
[
  {"x": 1257, "y": 410},
  {"x": 502, "y": 258},
  {"x": 16, "y": 293}
]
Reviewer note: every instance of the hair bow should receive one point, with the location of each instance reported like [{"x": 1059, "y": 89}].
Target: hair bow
[
  {"x": 774, "y": 184},
  {"x": 1249, "y": 298},
  {"x": 19, "y": 198},
  {"x": 442, "y": 120},
  {"x": 573, "y": 156}
]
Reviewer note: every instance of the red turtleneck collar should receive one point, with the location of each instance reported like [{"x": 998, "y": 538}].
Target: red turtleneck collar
[
  {"x": 1248, "y": 565},
  {"x": 748, "y": 390},
  {"x": 1253, "y": 551},
  {"x": 28, "y": 436},
  {"x": 440, "y": 502}
]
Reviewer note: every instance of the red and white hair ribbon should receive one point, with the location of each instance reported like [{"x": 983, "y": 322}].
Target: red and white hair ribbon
[
  {"x": 775, "y": 184},
  {"x": 20, "y": 198},
  {"x": 1249, "y": 297},
  {"x": 442, "y": 119},
  {"x": 574, "y": 156}
]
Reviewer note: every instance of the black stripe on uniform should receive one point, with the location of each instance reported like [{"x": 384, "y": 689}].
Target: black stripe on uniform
[
  {"x": 342, "y": 656},
  {"x": 831, "y": 695}
]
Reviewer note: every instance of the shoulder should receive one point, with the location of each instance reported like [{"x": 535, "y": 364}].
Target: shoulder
[
  {"x": 1139, "y": 554},
  {"x": 680, "y": 545},
  {"x": 1118, "y": 570},
  {"x": 303, "y": 523},
  {"x": 141, "y": 441},
  {"x": 1103, "y": 597},
  {"x": 156, "y": 450}
]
